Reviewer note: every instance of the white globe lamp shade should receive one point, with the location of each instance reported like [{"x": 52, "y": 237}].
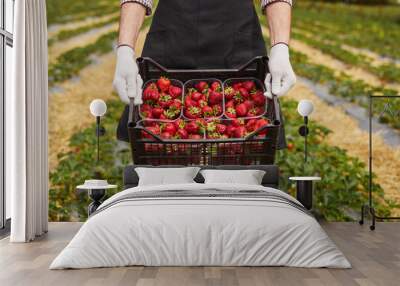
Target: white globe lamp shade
[
  {"x": 305, "y": 107},
  {"x": 98, "y": 107}
]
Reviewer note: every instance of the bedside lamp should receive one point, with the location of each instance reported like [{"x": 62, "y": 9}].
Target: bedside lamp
[
  {"x": 98, "y": 108},
  {"x": 305, "y": 108}
]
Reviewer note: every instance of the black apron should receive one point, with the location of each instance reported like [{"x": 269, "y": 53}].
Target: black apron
[{"x": 202, "y": 34}]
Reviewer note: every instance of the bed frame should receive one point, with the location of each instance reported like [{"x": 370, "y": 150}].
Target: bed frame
[{"x": 270, "y": 179}]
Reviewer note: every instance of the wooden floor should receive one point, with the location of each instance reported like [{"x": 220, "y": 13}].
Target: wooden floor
[{"x": 375, "y": 257}]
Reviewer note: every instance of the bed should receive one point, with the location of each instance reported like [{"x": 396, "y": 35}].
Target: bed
[{"x": 198, "y": 224}]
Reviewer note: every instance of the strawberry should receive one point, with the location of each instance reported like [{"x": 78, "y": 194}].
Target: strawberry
[
  {"x": 249, "y": 103},
  {"x": 230, "y": 129},
  {"x": 189, "y": 102},
  {"x": 230, "y": 112},
  {"x": 163, "y": 116},
  {"x": 176, "y": 104},
  {"x": 195, "y": 136},
  {"x": 170, "y": 128},
  {"x": 165, "y": 100},
  {"x": 201, "y": 86},
  {"x": 215, "y": 97},
  {"x": 216, "y": 86},
  {"x": 182, "y": 134},
  {"x": 202, "y": 103},
  {"x": 229, "y": 92},
  {"x": 258, "y": 98},
  {"x": 240, "y": 132},
  {"x": 241, "y": 110},
  {"x": 244, "y": 93},
  {"x": 202, "y": 125},
  {"x": 166, "y": 135},
  {"x": 221, "y": 128},
  {"x": 249, "y": 85},
  {"x": 251, "y": 125},
  {"x": 261, "y": 123},
  {"x": 175, "y": 91},
  {"x": 163, "y": 84},
  {"x": 193, "y": 112},
  {"x": 145, "y": 107},
  {"x": 237, "y": 122},
  {"x": 207, "y": 111},
  {"x": 290, "y": 146},
  {"x": 179, "y": 123},
  {"x": 149, "y": 123},
  {"x": 217, "y": 109},
  {"x": 237, "y": 85},
  {"x": 230, "y": 103},
  {"x": 156, "y": 112},
  {"x": 196, "y": 96},
  {"x": 192, "y": 127},
  {"x": 154, "y": 129}
]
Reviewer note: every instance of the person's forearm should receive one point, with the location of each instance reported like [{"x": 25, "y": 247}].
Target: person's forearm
[
  {"x": 279, "y": 21},
  {"x": 132, "y": 16}
]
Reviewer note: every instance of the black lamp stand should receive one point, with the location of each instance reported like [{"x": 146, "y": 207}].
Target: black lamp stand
[{"x": 303, "y": 131}]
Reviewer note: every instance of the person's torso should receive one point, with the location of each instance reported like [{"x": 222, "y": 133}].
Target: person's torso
[{"x": 204, "y": 34}]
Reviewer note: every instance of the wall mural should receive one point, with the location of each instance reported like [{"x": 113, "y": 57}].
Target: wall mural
[{"x": 337, "y": 55}]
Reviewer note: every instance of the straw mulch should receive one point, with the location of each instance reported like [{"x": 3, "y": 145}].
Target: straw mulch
[{"x": 69, "y": 109}]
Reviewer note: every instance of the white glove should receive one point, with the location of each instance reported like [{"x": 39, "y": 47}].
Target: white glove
[
  {"x": 281, "y": 72},
  {"x": 127, "y": 81}
]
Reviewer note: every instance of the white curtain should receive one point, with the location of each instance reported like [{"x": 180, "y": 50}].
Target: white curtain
[{"x": 26, "y": 127}]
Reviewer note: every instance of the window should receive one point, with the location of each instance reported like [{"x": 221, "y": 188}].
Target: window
[{"x": 6, "y": 65}]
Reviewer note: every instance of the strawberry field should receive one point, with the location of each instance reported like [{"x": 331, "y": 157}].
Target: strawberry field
[{"x": 350, "y": 51}]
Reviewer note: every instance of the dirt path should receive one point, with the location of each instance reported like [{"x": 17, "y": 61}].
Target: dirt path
[
  {"x": 54, "y": 29},
  {"x": 347, "y": 135},
  {"x": 69, "y": 109},
  {"x": 84, "y": 39}
]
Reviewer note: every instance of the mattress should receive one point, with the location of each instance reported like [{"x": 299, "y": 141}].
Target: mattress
[{"x": 201, "y": 225}]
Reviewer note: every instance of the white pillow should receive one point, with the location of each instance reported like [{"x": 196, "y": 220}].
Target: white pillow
[
  {"x": 166, "y": 176},
  {"x": 248, "y": 177}
]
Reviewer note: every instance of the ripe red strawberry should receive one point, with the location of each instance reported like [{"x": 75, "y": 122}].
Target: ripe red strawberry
[
  {"x": 175, "y": 91},
  {"x": 156, "y": 112},
  {"x": 238, "y": 98},
  {"x": 251, "y": 125},
  {"x": 229, "y": 104},
  {"x": 196, "y": 96},
  {"x": 189, "y": 102},
  {"x": 163, "y": 84},
  {"x": 182, "y": 134},
  {"x": 163, "y": 116},
  {"x": 192, "y": 127},
  {"x": 230, "y": 112},
  {"x": 221, "y": 128},
  {"x": 170, "y": 128},
  {"x": 155, "y": 129},
  {"x": 237, "y": 85},
  {"x": 193, "y": 112},
  {"x": 176, "y": 104},
  {"x": 229, "y": 92},
  {"x": 241, "y": 110},
  {"x": 215, "y": 97},
  {"x": 165, "y": 100},
  {"x": 240, "y": 132},
  {"x": 249, "y": 103},
  {"x": 230, "y": 129},
  {"x": 166, "y": 135},
  {"x": 249, "y": 85},
  {"x": 237, "y": 122},
  {"x": 261, "y": 123},
  {"x": 216, "y": 86},
  {"x": 201, "y": 86},
  {"x": 195, "y": 136},
  {"x": 145, "y": 107},
  {"x": 217, "y": 109},
  {"x": 202, "y": 103},
  {"x": 258, "y": 98},
  {"x": 245, "y": 94},
  {"x": 179, "y": 123},
  {"x": 149, "y": 123},
  {"x": 207, "y": 111}
]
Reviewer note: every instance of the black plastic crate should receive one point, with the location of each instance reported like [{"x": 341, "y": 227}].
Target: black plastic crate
[{"x": 252, "y": 149}]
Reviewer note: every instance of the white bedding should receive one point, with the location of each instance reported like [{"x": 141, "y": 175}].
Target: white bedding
[{"x": 200, "y": 231}]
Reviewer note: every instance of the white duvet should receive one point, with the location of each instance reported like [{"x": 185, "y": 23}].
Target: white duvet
[{"x": 200, "y": 231}]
